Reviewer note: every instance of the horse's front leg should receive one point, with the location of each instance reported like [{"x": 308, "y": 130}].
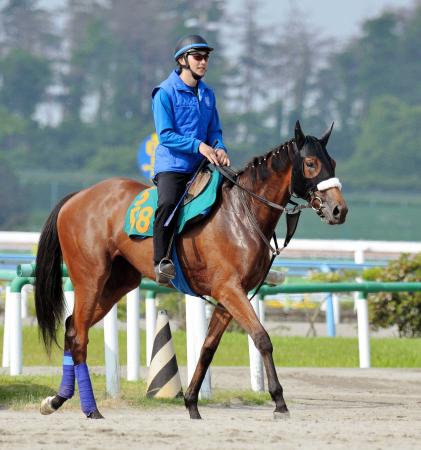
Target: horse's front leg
[
  {"x": 217, "y": 325},
  {"x": 238, "y": 305}
]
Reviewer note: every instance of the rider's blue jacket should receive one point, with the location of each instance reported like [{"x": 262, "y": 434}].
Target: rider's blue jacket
[{"x": 183, "y": 120}]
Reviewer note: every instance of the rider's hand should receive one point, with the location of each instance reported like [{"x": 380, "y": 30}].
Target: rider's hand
[
  {"x": 222, "y": 156},
  {"x": 208, "y": 152}
]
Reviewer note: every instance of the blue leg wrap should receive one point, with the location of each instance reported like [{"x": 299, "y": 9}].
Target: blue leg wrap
[
  {"x": 87, "y": 399},
  {"x": 67, "y": 387}
]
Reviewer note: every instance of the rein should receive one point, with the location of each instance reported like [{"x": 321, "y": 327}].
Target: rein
[
  {"x": 292, "y": 214},
  {"x": 229, "y": 174},
  {"x": 292, "y": 217}
]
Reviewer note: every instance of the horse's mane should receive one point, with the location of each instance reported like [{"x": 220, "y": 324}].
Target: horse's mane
[{"x": 257, "y": 168}]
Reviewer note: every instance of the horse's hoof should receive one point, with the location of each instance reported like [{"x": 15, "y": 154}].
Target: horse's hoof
[
  {"x": 277, "y": 415},
  {"x": 46, "y": 407},
  {"x": 194, "y": 413},
  {"x": 95, "y": 415}
]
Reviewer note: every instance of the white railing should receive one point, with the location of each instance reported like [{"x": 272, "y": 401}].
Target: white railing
[
  {"x": 195, "y": 314},
  {"x": 18, "y": 240}
]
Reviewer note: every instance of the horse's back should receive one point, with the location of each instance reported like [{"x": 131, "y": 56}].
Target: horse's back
[{"x": 99, "y": 209}]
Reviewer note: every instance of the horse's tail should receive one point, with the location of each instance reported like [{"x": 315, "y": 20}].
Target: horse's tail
[{"x": 49, "y": 298}]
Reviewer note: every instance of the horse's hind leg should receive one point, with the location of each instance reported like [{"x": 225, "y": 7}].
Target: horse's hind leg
[
  {"x": 86, "y": 313},
  {"x": 238, "y": 305},
  {"x": 67, "y": 386},
  {"x": 123, "y": 278},
  {"x": 217, "y": 325}
]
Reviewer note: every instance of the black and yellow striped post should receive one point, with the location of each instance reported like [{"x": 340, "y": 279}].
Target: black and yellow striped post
[{"x": 163, "y": 377}]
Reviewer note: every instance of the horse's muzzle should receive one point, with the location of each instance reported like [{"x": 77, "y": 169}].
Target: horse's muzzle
[
  {"x": 339, "y": 213},
  {"x": 335, "y": 214},
  {"x": 332, "y": 209}
]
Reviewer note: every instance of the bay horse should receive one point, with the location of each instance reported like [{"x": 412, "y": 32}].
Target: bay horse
[{"x": 223, "y": 257}]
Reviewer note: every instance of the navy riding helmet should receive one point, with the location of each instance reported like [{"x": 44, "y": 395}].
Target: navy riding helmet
[{"x": 191, "y": 42}]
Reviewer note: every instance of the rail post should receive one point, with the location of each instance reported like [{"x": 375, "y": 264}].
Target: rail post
[
  {"x": 330, "y": 317},
  {"x": 336, "y": 309},
  {"x": 112, "y": 364},
  {"x": 256, "y": 361},
  {"x": 24, "y": 301},
  {"x": 150, "y": 319},
  {"x": 195, "y": 335},
  {"x": 6, "y": 330},
  {"x": 15, "y": 323},
  {"x": 363, "y": 331},
  {"x": 69, "y": 296},
  {"x": 133, "y": 335},
  {"x": 361, "y": 305},
  {"x": 358, "y": 259}
]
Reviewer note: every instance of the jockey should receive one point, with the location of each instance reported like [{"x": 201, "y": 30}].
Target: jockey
[{"x": 187, "y": 125}]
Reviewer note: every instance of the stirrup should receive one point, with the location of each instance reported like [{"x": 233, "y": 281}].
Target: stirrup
[{"x": 165, "y": 271}]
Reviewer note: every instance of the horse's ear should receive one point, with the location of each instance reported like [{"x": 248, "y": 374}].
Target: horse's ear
[
  {"x": 325, "y": 138},
  {"x": 299, "y": 135}
]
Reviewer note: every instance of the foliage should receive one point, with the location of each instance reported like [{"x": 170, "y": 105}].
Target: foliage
[
  {"x": 75, "y": 92},
  {"x": 25, "y": 78},
  {"x": 334, "y": 277},
  {"x": 11, "y": 198},
  {"x": 233, "y": 350},
  {"x": 389, "y": 145},
  {"x": 402, "y": 309}
]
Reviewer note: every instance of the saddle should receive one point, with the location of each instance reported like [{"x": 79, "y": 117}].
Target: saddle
[{"x": 202, "y": 180}]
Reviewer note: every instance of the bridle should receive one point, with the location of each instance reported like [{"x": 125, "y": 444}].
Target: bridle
[
  {"x": 292, "y": 213},
  {"x": 314, "y": 202}
]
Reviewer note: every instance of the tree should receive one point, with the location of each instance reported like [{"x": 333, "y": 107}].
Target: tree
[
  {"x": 28, "y": 27},
  {"x": 410, "y": 50},
  {"x": 87, "y": 63},
  {"x": 12, "y": 211},
  {"x": 384, "y": 60},
  {"x": 380, "y": 61},
  {"x": 246, "y": 75},
  {"x": 24, "y": 80},
  {"x": 299, "y": 52},
  {"x": 388, "y": 153}
]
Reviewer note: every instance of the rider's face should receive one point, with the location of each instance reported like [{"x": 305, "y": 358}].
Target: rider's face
[{"x": 198, "y": 62}]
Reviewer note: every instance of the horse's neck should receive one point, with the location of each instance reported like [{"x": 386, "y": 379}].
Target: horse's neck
[{"x": 274, "y": 188}]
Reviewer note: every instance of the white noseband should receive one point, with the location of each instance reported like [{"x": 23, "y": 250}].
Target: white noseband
[{"x": 330, "y": 183}]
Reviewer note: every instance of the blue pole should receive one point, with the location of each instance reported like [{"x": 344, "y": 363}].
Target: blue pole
[{"x": 330, "y": 319}]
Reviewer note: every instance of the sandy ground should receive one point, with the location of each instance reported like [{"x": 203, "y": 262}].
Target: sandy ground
[{"x": 330, "y": 408}]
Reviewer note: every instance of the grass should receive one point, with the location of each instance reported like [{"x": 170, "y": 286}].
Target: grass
[
  {"x": 233, "y": 350},
  {"x": 26, "y": 392}
]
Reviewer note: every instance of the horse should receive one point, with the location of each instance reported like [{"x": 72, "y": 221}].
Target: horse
[{"x": 223, "y": 256}]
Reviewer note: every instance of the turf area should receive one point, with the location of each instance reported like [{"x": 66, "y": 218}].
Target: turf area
[
  {"x": 233, "y": 351},
  {"x": 28, "y": 392}
]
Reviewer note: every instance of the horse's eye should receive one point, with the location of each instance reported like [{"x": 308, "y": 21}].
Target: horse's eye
[{"x": 310, "y": 164}]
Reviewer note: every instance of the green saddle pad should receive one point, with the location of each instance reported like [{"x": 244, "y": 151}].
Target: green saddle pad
[{"x": 141, "y": 214}]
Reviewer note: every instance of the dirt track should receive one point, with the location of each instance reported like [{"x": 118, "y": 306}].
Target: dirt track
[{"x": 330, "y": 408}]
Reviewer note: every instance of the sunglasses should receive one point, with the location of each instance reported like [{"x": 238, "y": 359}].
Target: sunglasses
[{"x": 199, "y": 56}]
